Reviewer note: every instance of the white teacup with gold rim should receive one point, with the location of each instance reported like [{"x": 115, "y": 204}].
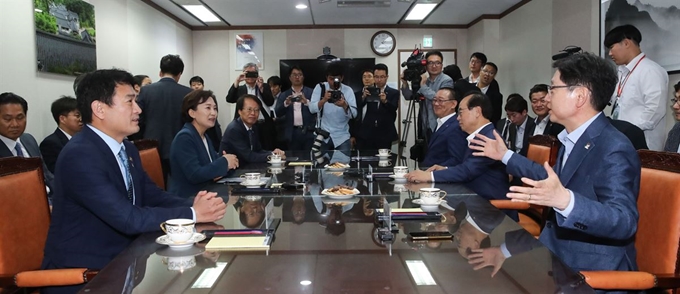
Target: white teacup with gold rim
[
  {"x": 251, "y": 178},
  {"x": 400, "y": 171},
  {"x": 431, "y": 195},
  {"x": 384, "y": 152},
  {"x": 274, "y": 158},
  {"x": 180, "y": 263},
  {"x": 179, "y": 230},
  {"x": 384, "y": 163}
]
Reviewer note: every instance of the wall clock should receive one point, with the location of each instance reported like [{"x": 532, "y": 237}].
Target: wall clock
[{"x": 383, "y": 43}]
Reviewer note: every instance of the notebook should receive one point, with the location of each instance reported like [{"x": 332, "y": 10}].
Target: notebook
[
  {"x": 239, "y": 243},
  {"x": 299, "y": 163}
]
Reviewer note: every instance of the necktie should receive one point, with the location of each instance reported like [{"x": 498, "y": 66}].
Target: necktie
[
  {"x": 250, "y": 138},
  {"x": 128, "y": 176},
  {"x": 17, "y": 147}
]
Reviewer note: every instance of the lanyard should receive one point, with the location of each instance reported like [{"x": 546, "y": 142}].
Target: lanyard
[{"x": 622, "y": 82}]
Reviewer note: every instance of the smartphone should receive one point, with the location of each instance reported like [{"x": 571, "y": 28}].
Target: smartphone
[
  {"x": 251, "y": 74},
  {"x": 430, "y": 235}
]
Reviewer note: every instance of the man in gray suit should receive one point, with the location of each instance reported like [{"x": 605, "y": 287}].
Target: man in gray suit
[
  {"x": 161, "y": 105},
  {"x": 673, "y": 140},
  {"x": 15, "y": 142}
]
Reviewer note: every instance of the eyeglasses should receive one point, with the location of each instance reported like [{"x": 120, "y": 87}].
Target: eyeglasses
[
  {"x": 297, "y": 75},
  {"x": 440, "y": 101},
  {"x": 489, "y": 72},
  {"x": 251, "y": 110},
  {"x": 551, "y": 88},
  {"x": 674, "y": 100},
  {"x": 379, "y": 77},
  {"x": 434, "y": 63}
]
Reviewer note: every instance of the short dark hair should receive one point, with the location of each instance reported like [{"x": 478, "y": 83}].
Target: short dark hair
[
  {"x": 11, "y": 98},
  {"x": 538, "y": 88},
  {"x": 295, "y": 67},
  {"x": 592, "y": 72},
  {"x": 63, "y": 106},
  {"x": 452, "y": 92},
  {"x": 677, "y": 86},
  {"x": 516, "y": 103},
  {"x": 77, "y": 81},
  {"x": 620, "y": 33},
  {"x": 100, "y": 85},
  {"x": 139, "y": 79},
  {"x": 381, "y": 66},
  {"x": 196, "y": 79},
  {"x": 513, "y": 96},
  {"x": 453, "y": 71},
  {"x": 434, "y": 52},
  {"x": 491, "y": 64},
  {"x": 480, "y": 100},
  {"x": 481, "y": 56},
  {"x": 192, "y": 100},
  {"x": 334, "y": 69},
  {"x": 172, "y": 64},
  {"x": 241, "y": 101},
  {"x": 274, "y": 80}
]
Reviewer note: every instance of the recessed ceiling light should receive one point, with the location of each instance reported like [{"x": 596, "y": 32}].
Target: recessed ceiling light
[
  {"x": 300, "y": 6},
  {"x": 305, "y": 283},
  {"x": 202, "y": 13},
  {"x": 420, "y": 11}
]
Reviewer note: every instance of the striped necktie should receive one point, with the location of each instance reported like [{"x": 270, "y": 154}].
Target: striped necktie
[{"x": 122, "y": 155}]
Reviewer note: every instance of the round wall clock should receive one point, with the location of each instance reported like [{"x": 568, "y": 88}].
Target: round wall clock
[{"x": 383, "y": 43}]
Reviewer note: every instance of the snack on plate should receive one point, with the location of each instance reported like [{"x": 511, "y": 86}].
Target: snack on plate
[
  {"x": 341, "y": 190},
  {"x": 337, "y": 165}
]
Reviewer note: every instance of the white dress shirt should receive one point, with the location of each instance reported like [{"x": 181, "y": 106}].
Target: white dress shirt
[
  {"x": 519, "y": 138},
  {"x": 540, "y": 126},
  {"x": 11, "y": 144},
  {"x": 442, "y": 121},
  {"x": 643, "y": 100}
]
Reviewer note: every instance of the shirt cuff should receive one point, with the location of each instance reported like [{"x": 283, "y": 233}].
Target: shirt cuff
[
  {"x": 506, "y": 157},
  {"x": 193, "y": 214},
  {"x": 432, "y": 176},
  {"x": 565, "y": 213},
  {"x": 505, "y": 251}
]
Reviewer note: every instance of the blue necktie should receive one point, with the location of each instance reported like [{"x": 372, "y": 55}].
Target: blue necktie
[
  {"x": 250, "y": 137},
  {"x": 128, "y": 176},
  {"x": 17, "y": 147}
]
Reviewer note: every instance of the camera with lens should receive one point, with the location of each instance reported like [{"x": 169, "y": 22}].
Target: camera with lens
[
  {"x": 415, "y": 66},
  {"x": 251, "y": 74},
  {"x": 295, "y": 98},
  {"x": 336, "y": 94}
]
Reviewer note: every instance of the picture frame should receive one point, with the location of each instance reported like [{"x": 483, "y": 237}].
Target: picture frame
[
  {"x": 249, "y": 48},
  {"x": 657, "y": 20}
]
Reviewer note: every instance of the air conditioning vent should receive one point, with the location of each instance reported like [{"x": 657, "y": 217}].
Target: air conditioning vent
[{"x": 363, "y": 3}]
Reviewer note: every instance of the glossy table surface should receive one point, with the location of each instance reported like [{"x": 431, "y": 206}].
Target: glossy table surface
[{"x": 323, "y": 245}]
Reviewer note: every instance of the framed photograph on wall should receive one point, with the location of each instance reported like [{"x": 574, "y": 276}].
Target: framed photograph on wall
[
  {"x": 249, "y": 49},
  {"x": 657, "y": 20},
  {"x": 65, "y": 36}
]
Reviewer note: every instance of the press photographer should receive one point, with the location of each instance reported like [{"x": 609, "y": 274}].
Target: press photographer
[
  {"x": 335, "y": 104},
  {"x": 293, "y": 104},
  {"x": 374, "y": 127}
]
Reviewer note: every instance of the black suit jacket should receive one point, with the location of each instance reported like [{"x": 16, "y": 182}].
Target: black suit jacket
[
  {"x": 378, "y": 123},
  {"x": 510, "y": 132},
  {"x": 288, "y": 113},
  {"x": 237, "y": 141},
  {"x": 50, "y": 148},
  {"x": 494, "y": 94},
  {"x": 634, "y": 134},
  {"x": 673, "y": 140},
  {"x": 267, "y": 128},
  {"x": 161, "y": 105},
  {"x": 552, "y": 129},
  {"x": 31, "y": 146}
]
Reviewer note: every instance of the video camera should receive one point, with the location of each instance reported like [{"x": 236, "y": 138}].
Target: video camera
[
  {"x": 336, "y": 94},
  {"x": 415, "y": 66},
  {"x": 566, "y": 52}
]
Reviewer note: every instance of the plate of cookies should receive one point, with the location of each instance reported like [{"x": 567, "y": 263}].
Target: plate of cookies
[
  {"x": 340, "y": 192},
  {"x": 336, "y": 166}
]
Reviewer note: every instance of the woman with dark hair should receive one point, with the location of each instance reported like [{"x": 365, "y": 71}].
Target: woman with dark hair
[
  {"x": 141, "y": 81},
  {"x": 193, "y": 160}
]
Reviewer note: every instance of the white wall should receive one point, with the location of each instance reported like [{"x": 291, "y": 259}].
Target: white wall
[{"x": 130, "y": 35}]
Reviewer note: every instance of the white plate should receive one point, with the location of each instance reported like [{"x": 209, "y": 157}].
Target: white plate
[
  {"x": 165, "y": 240},
  {"x": 331, "y": 195},
  {"x": 388, "y": 155},
  {"x": 276, "y": 162},
  {"x": 336, "y": 168},
  {"x": 262, "y": 183},
  {"x": 398, "y": 179}
]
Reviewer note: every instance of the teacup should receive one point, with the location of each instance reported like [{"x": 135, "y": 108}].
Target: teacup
[
  {"x": 179, "y": 230},
  {"x": 384, "y": 163},
  {"x": 251, "y": 178},
  {"x": 431, "y": 195},
  {"x": 400, "y": 170},
  {"x": 274, "y": 158},
  {"x": 275, "y": 170},
  {"x": 384, "y": 152},
  {"x": 180, "y": 263}
]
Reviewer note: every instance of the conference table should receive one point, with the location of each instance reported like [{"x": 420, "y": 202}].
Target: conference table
[{"x": 325, "y": 245}]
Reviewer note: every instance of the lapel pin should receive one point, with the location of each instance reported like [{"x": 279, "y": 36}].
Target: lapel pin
[
  {"x": 587, "y": 146},
  {"x": 132, "y": 163}
]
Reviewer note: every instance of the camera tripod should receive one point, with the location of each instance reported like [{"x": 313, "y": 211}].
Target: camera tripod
[{"x": 410, "y": 117}]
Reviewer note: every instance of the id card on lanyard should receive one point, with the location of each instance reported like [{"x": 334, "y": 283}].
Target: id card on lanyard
[{"x": 619, "y": 89}]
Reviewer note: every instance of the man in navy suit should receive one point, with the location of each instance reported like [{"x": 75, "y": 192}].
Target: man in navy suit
[
  {"x": 484, "y": 176},
  {"x": 161, "y": 105},
  {"x": 103, "y": 199},
  {"x": 293, "y": 106},
  {"x": 65, "y": 113},
  {"x": 542, "y": 121},
  {"x": 15, "y": 142},
  {"x": 241, "y": 135},
  {"x": 447, "y": 146},
  {"x": 518, "y": 126},
  {"x": 374, "y": 125},
  {"x": 594, "y": 186}
]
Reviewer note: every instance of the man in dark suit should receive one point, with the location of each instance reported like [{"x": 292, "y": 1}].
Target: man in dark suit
[
  {"x": 293, "y": 106},
  {"x": 65, "y": 113},
  {"x": 542, "y": 121},
  {"x": 103, "y": 199},
  {"x": 13, "y": 110},
  {"x": 593, "y": 188},
  {"x": 486, "y": 177},
  {"x": 241, "y": 136},
  {"x": 374, "y": 125},
  {"x": 488, "y": 85},
  {"x": 161, "y": 105},
  {"x": 256, "y": 86},
  {"x": 448, "y": 144},
  {"x": 673, "y": 140},
  {"x": 518, "y": 126}
]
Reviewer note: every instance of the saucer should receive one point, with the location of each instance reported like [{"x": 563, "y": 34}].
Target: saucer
[
  {"x": 388, "y": 155},
  {"x": 262, "y": 183},
  {"x": 165, "y": 240},
  {"x": 169, "y": 252},
  {"x": 276, "y": 162},
  {"x": 429, "y": 206},
  {"x": 397, "y": 178}
]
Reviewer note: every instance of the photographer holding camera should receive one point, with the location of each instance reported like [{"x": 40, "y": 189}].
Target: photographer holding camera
[
  {"x": 374, "y": 127},
  {"x": 256, "y": 86},
  {"x": 335, "y": 104},
  {"x": 293, "y": 104}
]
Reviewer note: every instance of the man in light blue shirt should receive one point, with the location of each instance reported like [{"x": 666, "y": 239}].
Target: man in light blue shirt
[
  {"x": 335, "y": 108},
  {"x": 430, "y": 86}
]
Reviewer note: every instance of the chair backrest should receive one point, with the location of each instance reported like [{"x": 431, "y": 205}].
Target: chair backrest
[
  {"x": 658, "y": 230},
  {"x": 24, "y": 214},
  {"x": 543, "y": 148},
  {"x": 151, "y": 160}
]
